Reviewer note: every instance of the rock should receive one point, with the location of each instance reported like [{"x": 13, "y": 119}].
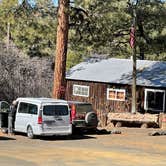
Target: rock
[
  {"x": 157, "y": 133},
  {"x": 102, "y": 131},
  {"x": 116, "y": 132}
]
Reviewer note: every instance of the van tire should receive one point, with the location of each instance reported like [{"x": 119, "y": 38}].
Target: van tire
[
  {"x": 30, "y": 132},
  {"x": 144, "y": 126},
  {"x": 118, "y": 124}
]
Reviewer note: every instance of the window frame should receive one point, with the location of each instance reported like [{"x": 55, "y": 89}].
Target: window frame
[
  {"x": 116, "y": 91},
  {"x": 81, "y": 86},
  {"x": 145, "y": 100}
]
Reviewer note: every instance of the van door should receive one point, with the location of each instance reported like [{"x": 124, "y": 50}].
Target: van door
[
  {"x": 21, "y": 116},
  {"x": 26, "y": 115},
  {"x": 56, "y": 118}
]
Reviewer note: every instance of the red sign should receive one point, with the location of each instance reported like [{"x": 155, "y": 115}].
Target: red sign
[{"x": 132, "y": 37}]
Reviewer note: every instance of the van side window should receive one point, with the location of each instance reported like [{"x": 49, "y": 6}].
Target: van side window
[
  {"x": 32, "y": 109},
  {"x": 27, "y": 108},
  {"x": 23, "y": 108}
]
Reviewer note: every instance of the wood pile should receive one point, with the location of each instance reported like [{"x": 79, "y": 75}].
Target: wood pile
[{"x": 137, "y": 117}]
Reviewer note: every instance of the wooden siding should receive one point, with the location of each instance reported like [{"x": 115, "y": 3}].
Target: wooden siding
[{"x": 98, "y": 97}]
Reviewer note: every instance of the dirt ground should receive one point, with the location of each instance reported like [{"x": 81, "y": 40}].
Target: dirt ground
[{"x": 132, "y": 147}]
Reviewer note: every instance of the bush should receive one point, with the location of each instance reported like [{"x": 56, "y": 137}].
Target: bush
[{"x": 22, "y": 76}]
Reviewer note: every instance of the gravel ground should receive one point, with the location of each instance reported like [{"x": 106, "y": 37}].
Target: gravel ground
[{"x": 132, "y": 147}]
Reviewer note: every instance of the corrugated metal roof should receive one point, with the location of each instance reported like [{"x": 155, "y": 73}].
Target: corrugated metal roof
[{"x": 149, "y": 73}]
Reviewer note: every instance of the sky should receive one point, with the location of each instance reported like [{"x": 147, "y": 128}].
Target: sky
[{"x": 55, "y": 1}]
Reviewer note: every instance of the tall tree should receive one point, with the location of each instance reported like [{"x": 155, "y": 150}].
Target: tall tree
[
  {"x": 35, "y": 28},
  {"x": 32, "y": 28},
  {"x": 105, "y": 28},
  {"x": 6, "y": 16},
  {"x": 61, "y": 50}
]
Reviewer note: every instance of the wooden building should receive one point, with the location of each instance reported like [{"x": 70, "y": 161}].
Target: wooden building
[{"x": 106, "y": 83}]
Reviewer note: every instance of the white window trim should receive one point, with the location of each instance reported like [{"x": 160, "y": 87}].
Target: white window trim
[
  {"x": 145, "y": 101},
  {"x": 116, "y": 90},
  {"x": 82, "y": 86}
]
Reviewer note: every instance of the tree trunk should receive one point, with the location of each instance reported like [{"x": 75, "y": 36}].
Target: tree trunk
[
  {"x": 61, "y": 50},
  {"x": 142, "y": 55}
]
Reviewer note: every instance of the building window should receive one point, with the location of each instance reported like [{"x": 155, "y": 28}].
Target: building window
[
  {"x": 116, "y": 94},
  {"x": 80, "y": 90},
  {"x": 154, "y": 100}
]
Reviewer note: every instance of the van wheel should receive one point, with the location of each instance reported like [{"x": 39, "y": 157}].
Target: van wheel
[
  {"x": 144, "y": 126},
  {"x": 118, "y": 124},
  {"x": 30, "y": 132}
]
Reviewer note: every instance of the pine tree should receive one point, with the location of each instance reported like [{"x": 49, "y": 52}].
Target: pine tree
[{"x": 61, "y": 50}]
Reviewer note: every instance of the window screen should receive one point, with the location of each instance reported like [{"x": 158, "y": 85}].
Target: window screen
[
  {"x": 116, "y": 94},
  {"x": 80, "y": 90}
]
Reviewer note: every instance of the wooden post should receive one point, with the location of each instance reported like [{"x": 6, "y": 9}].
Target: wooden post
[
  {"x": 134, "y": 99},
  {"x": 59, "y": 86}
]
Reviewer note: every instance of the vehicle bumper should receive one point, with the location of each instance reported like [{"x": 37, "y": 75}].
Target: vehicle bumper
[
  {"x": 82, "y": 124},
  {"x": 50, "y": 132}
]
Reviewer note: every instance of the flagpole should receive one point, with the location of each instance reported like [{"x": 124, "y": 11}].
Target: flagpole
[{"x": 134, "y": 74}]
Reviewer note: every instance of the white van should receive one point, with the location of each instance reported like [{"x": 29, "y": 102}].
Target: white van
[{"x": 42, "y": 116}]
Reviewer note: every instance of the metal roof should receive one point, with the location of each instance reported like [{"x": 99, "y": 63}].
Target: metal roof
[{"x": 149, "y": 73}]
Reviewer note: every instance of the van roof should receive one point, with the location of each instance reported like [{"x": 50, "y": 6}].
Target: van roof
[{"x": 40, "y": 100}]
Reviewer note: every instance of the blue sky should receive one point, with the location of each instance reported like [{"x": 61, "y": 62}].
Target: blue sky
[{"x": 55, "y": 1}]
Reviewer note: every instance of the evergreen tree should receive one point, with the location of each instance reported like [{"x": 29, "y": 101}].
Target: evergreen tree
[
  {"x": 33, "y": 28},
  {"x": 96, "y": 26},
  {"x": 106, "y": 25}
]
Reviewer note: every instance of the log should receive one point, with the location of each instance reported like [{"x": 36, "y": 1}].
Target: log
[{"x": 136, "y": 118}]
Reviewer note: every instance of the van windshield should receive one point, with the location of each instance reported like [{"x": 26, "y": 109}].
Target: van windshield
[{"x": 55, "y": 110}]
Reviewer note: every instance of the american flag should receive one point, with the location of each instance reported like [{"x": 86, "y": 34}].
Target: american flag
[{"x": 132, "y": 36}]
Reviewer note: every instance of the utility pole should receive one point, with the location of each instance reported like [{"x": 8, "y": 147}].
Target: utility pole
[
  {"x": 59, "y": 86},
  {"x": 133, "y": 46}
]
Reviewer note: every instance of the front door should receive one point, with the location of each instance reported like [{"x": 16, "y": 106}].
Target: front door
[{"x": 155, "y": 100}]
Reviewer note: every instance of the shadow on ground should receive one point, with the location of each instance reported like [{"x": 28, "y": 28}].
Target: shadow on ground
[
  {"x": 3, "y": 138},
  {"x": 77, "y": 135},
  {"x": 70, "y": 137},
  {"x": 97, "y": 132}
]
